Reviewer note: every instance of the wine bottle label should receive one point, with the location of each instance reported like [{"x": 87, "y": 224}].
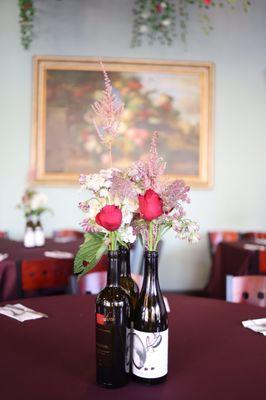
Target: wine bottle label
[
  {"x": 104, "y": 335},
  {"x": 112, "y": 342},
  {"x": 150, "y": 354}
]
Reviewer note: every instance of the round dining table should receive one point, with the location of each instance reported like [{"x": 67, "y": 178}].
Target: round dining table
[{"x": 211, "y": 355}]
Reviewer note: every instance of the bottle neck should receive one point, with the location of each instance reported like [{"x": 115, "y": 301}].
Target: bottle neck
[
  {"x": 125, "y": 262},
  {"x": 151, "y": 282},
  {"x": 113, "y": 275}
]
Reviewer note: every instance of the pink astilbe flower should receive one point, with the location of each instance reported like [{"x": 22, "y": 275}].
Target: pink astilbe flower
[
  {"x": 83, "y": 206},
  {"x": 148, "y": 172},
  {"x": 173, "y": 193},
  {"x": 109, "y": 110},
  {"x": 155, "y": 165},
  {"x": 122, "y": 187}
]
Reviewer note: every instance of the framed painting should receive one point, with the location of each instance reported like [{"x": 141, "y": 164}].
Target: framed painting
[{"x": 173, "y": 98}]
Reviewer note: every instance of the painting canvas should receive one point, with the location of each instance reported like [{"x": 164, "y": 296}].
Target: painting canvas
[{"x": 172, "y": 98}]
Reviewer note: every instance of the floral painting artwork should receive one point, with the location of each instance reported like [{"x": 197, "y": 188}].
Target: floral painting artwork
[{"x": 172, "y": 99}]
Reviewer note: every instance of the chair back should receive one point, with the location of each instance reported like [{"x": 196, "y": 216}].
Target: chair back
[
  {"x": 216, "y": 237},
  {"x": 3, "y": 235},
  {"x": 92, "y": 283},
  {"x": 248, "y": 289},
  {"x": 253, "y": 235},
  {"x": 43, "y": 277}
]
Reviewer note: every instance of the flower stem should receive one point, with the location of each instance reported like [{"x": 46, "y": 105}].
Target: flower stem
[
  {"x": 113, "y": 240},
  {"x": 110, "y": 155},
  {"x": 150, "y": 235}
]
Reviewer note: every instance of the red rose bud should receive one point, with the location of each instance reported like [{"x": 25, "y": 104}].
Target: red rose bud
[
  {"x": 110, "y": 217},
  {"x": 150, "y": 205}
]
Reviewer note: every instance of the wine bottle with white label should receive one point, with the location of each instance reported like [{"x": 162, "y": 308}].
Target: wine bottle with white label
[
  {"x": 150, "y": 332},
  {"x": 113, "y": 329}
]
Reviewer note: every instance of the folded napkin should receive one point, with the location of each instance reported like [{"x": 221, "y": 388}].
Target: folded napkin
[
  {"x": 20, "y": 312},
  {"x": 260, "y": 241},
  {"x": 256, "y": 325},
  {"x": 3, "y": 256},
  {"x": 253, "y": 247},
  {"x": 65, "y": 239},
  {"x": 58, "y": 254}
]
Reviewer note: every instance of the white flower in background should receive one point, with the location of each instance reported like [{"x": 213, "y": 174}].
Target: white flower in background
[
  {"x": 166, "y": 22},
  {"x": 145, "y": 15},
  {"x": 38, "y": 200},
  {"x": 143, "y": 29}
]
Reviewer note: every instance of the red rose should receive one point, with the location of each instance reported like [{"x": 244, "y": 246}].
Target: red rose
[
  {"x": 110, "y": 217},
  {"x": 207, "y": 2},
  {"x": 150, "y": 205}
]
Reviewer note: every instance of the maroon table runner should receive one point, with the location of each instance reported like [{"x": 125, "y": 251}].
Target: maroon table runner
[
  {"x": 211, "y": 356},
  {"x": 230, "y": 259},
  {"x": 16, "y": 251}
]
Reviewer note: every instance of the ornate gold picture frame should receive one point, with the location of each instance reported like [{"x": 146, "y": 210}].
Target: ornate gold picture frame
[{"x": 173, "y": 98}]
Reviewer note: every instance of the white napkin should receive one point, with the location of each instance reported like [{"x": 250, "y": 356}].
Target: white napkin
[
  {"x": 58, "y": 254},
  {"x": 260, "y": 241},
  {"x": 65, "y": 239},
  {"x": 20, "y": 312},
  {"x": 256, "y": 325},
  {"x": 253, "y": 247},
  {"x": 3, "y": 256}
]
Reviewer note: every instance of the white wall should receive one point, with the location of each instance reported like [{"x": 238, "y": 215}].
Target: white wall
[{"x": 103, "y": 28}]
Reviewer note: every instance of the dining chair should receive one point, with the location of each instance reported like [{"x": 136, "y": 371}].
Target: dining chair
[
  {"x": 247, "y": 289},
  {"x": 94, "y": 282},
  {"x": 43, "y": 277},
  {"x": 3, "y": 235},
  {"x": 72, "y": 233},
  {"x": 253, "y": 235},
  {"x": 216, "y": 237}
]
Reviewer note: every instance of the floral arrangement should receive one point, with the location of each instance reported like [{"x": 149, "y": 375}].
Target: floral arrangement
[
  {"x": 122, "y": 205},
  {"x": 33, "y": 203},
  {"x": 156, "y": 19}
]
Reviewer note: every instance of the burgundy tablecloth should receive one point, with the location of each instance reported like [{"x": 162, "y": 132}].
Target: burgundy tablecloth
[
  {"x": 211, "y": 356},
  {"x": 16, "y": 251},
  {"x": 230, "y": 259}
]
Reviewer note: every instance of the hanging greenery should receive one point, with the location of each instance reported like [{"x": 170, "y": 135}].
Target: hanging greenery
[
  {"x": 26, "y": 21},
  {"x": 153, "y": 19},
  {"x": 156, "y": 19}
]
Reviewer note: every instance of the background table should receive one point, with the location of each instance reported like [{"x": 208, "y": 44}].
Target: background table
[
  {"x": 211, "y": 356},
  {"x": 230, "y": 259},
  {"x": 16, "y": 251}
]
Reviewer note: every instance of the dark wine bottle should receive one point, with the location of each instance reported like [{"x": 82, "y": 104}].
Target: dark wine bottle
[
  {"x": 150, "y": 331},
  {"x": 126, "y": 280},
  {"x": 112, "y": 329}
]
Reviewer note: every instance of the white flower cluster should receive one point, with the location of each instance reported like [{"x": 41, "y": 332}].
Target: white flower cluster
[
  {"x": 187, "y": 230},
  {"x": 38, "y": 200},
  {"x": 98, "y": 186}
]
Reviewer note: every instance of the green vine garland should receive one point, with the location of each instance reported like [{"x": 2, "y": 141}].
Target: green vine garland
[
  {"x": 153, "y": 19},
  {"x": 156, "y": 19},
  {"x": 26, "y": 21}
]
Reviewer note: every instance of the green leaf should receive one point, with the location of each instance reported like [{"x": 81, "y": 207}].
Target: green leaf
[{"x": 90, "y": 251}]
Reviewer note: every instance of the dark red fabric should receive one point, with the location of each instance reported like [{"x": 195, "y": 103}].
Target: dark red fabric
[
  {"x": 16, "y": 252},
  {"x": 211, "y": 356},
  {"x": 230, "y": 259}
]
